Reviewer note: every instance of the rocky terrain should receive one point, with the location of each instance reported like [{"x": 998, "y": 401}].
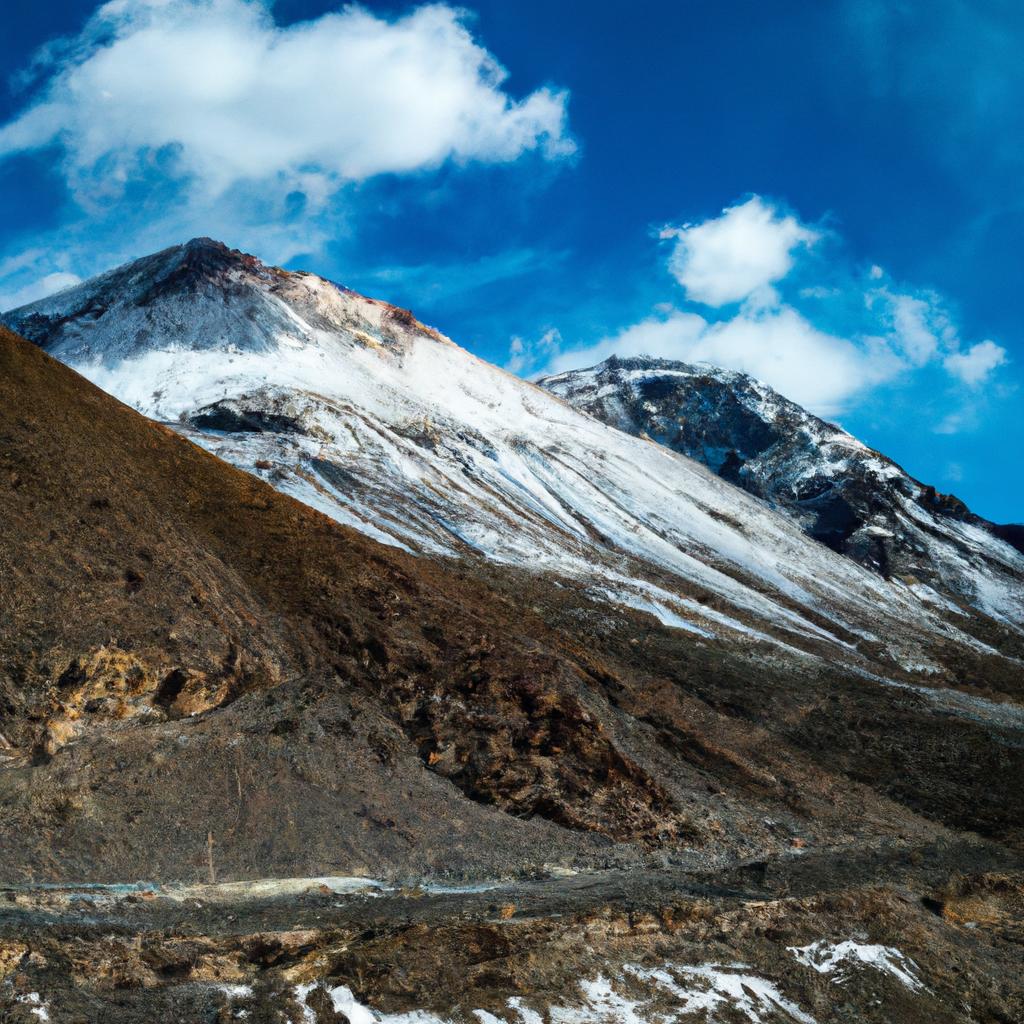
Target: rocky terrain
[
  {"x": 841, "y": 492},
  {"x": 611, "y": 741},
  {"x": 813, "y": 940}
]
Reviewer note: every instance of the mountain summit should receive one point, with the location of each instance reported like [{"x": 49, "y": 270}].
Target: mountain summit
[{"x": 150, "y": 303}]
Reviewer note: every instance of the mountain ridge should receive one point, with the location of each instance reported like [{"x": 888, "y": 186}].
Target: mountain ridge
[
  {"x": 543, "y": 791},
  {"x": 357, "y": 409},
  {"x": 173, "y": 623},
  {"x": 843, "y": 493}
]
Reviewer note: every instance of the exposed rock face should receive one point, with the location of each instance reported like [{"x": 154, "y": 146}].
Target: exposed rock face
[{"x": 842, "y": 493}]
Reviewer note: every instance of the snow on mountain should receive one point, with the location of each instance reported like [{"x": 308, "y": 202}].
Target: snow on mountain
[
  {"x": 353, "y": 407},
  {"x": 841, "y": 492}
]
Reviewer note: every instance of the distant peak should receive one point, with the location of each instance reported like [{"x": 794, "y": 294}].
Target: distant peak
[
  {"x": 211, "y": 249},
  {"x": 615, "y": 363}
]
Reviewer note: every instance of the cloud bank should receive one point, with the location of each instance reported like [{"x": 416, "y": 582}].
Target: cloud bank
[
  {"x": 170, "y": 118},
  {"x": 785, "y": 329}
]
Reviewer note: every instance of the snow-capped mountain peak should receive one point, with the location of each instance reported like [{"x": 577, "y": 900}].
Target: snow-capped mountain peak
[
  {"x": 850, "y": 497},
  {"x": 151, "y": 305},
  {"x": 354, "y": 407}
]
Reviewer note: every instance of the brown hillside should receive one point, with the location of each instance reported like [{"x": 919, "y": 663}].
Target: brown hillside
[{"x": 184, "y": 651}]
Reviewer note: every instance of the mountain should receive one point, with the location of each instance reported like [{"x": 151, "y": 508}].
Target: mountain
[
  {"x": 203, "y": 680},
  {"x": 360, "y": 411},
  {"x": 158, "y": 602},
  {"x": 842, "y": 493},
  {"x": 204, "y": 677}
]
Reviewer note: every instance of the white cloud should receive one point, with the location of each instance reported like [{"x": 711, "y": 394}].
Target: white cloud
[
  {"x": 814, "y": 368},
  {"x": 38, "y": 289},
  {"x": 522, "y": 353},
  {"x": 667, "y": 336},
  {"x": 780, "y": 347},
  {"x": 204, "y": 117},
  {"x": 919, "y": 324},
  {"x": 749, "y": 253},
  {"x": 974, "y": 366},
  {"x": 915, "y": 338},
  {"x": 955, "y": 422},
  {"x": 732, "y": 256},
  {"x": 215, "y": 91}
]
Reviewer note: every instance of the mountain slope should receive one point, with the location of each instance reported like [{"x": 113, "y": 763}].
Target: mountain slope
[
  {"x": 200, "y": 675},
  {"x": 184, "y": 646},
  {"x": 148, "y": 586},
  {"x": 851, "y": 498},
  {"x": 354, "y": 407}
]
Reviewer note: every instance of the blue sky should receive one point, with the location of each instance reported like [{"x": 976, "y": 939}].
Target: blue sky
[{"x": 867, "y": 157}]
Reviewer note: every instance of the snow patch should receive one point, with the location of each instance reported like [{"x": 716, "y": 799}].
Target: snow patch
[
  {"x": 640, "y": 995},
  {"x": 711, "y": 987},
  {"x": 842, "y": 958},
  {"x": 235, "y": 991},
  {"x": 36, "y": 1005}
]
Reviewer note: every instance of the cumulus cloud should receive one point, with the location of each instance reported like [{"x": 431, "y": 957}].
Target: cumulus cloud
[
  {"x": 974, "y": 366},
  {"x": 776, "y": 345},
  {"x": 813, "y": 367},
  {"x": 749, "y": 254},
  {"x": 174, "y": 118},
  {"x": 666, "y": 336},
  {"x": 729, "y": 258},
  {"x": 215, "y": 90},
  {"x": 923, "y": 331}
]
